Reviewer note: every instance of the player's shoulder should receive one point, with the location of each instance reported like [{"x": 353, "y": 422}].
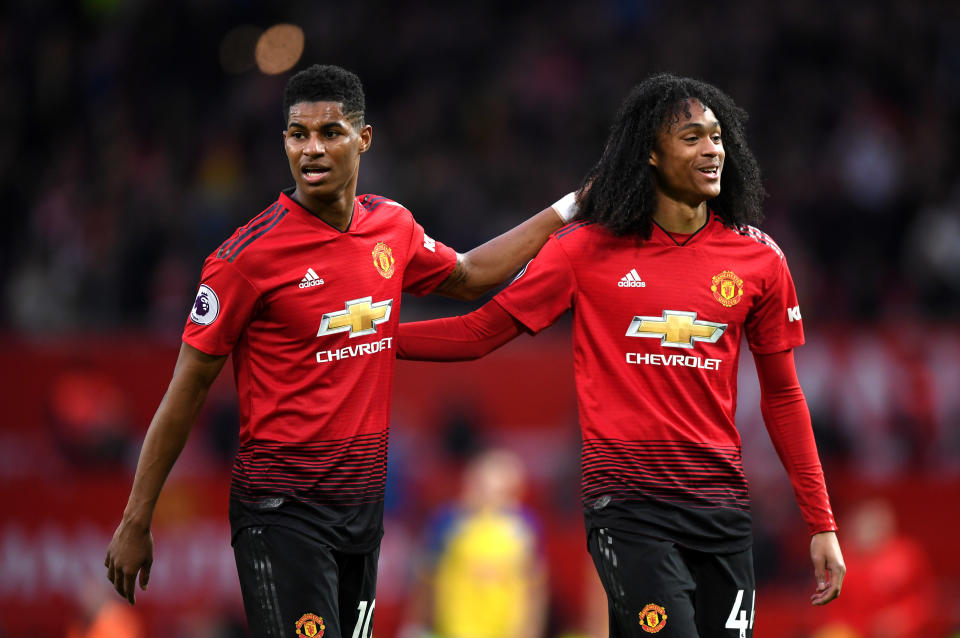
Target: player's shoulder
[
  {"x": 380, "y": 205},
  {"x": 575, "y": 231},
  {"x": 752, "y": 237},
  {"x": 250, "y": 238}
]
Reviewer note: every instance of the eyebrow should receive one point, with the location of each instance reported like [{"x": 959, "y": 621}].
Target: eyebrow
[
  {"x": 326, "y": 125},
  {"x": 697, "y": 125}
]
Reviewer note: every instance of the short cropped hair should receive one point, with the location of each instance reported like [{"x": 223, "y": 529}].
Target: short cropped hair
[
  {"x": 621, "y": 195},
  {"x": 326, "y": 83}
]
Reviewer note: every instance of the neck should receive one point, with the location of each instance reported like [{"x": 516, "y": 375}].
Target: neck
[
  {"x": 336, "y": 211},
  {"x": 679, "y": 217}
]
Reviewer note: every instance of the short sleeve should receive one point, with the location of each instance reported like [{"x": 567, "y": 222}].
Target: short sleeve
[
  {"x": 224, "y": 306},
  {"x": 430, "y": 263},
  {"x": 774, "y": 324},
  {"x": 543, "y": 290}
]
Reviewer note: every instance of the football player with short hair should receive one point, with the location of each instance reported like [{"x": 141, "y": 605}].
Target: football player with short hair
[{"x": 306, "y": 297}]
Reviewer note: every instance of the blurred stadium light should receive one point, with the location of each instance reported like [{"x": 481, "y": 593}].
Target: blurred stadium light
[
  {"x": 135, "y": 138},
  {"x": 279, "y": 48}
]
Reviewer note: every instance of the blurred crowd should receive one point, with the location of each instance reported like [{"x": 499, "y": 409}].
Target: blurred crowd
[
  {"x": 137, "y": 136},
  {"x": 134, "y": 143}
]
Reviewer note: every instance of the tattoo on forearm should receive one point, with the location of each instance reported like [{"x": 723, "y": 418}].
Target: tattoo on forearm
[{"x": 455, "y": 279}]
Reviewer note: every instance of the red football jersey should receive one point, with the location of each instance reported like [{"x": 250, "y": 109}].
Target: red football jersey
[
  {"x": 309, "y": 314},
  {"x": 657, "y": 327}
]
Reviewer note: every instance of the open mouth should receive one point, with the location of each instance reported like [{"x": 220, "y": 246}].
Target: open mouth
[
  {"x": 314, "y": 174},
  {"x": 710, "y": 171}
]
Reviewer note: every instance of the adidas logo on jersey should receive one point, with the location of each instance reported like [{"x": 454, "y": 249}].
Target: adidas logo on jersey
[
  {"x": 632, "y": 280},
  {"x": 310, "y": 279}
]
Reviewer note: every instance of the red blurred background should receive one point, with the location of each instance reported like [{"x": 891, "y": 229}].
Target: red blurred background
[
  {"x": 137, "y": 135},
  {"x": 63, "y": 495}
]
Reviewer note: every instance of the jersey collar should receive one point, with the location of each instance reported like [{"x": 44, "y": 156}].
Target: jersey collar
[
  {"x": 661, "y": 236},
  {"x": 286, "y": 199}
]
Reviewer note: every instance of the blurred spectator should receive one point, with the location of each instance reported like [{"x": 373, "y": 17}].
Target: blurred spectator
[
  {"x": 104, "y": 615},
  {"x": 932, "y": 256},
  {"x": 596, "y": 621},
  {"x": 128, "y": 152},
  {"x": 890, "y": 590},
  {"x": 153, "y": 167},
  {"x": 90, "y": 419},
  {"x": 484, "y": 577}
]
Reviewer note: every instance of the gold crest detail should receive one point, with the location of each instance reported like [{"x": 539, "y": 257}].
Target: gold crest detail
[
  {"x": 727, "y": 288},
  {"x": 652, "y": 618},
  {"x": 383, "y": 259},
  {"x": 311, "y": 626}
]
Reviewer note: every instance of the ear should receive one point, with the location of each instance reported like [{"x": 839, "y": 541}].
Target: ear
[
  {"x": 366, "y": 138},
  {"x": 653, "y": 159}
]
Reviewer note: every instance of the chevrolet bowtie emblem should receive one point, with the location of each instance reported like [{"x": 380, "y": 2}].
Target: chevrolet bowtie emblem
[
  {"x": 676, "y": 329},
  {"x": 360, "y": 317}
]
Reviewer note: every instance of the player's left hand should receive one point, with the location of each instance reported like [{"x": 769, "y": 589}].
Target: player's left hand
[{"x": 828, "y": 567}]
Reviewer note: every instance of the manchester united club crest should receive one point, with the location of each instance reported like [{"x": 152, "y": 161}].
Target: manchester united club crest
[
  {"x": 383, "y": 259},
  {"x": 652, "y": 618},
  {"x": 727, "y": 288},
  {"x": 311, "y": 626}
]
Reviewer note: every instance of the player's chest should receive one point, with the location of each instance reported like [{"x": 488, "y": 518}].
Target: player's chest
[
  {"x": 674, "y": 282},
  {"x": 353, "y": 284}
]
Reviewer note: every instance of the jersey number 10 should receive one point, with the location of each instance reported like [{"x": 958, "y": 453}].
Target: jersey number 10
[{"x": 362, "y": 630}]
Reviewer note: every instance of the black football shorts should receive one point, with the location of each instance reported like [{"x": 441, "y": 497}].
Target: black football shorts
[
  {"x": 657, "y": 587},
  {"x": 294, "y": 586}
]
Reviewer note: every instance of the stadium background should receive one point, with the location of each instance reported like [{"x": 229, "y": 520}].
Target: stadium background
[{"x": 138, "y": 134}]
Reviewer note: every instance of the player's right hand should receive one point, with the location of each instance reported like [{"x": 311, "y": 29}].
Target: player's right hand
[{"x": 130, "y": 552}]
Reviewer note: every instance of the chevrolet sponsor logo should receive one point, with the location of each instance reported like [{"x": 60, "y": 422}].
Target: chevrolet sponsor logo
[
  {"x": 676, "y": 329},
  {"x": 360, "y": 317}
]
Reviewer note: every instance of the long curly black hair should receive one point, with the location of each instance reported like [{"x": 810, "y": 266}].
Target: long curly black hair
[{"x": 619, "y": 191}]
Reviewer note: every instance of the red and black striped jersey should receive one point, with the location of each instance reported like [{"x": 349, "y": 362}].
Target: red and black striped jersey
[
  {"x": 657, "y": 328},
  {"x": 309, "y": 314}
]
